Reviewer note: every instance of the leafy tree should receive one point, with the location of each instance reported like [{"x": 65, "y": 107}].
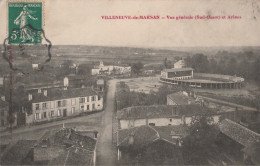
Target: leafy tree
[
  {"x": 137, "y": 68},
  {"x": 202, "y": 134}
]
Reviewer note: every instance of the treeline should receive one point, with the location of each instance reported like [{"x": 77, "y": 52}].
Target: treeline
[
  {"x": 126, "y": 98},
  {"x": 246, "y": 65}
]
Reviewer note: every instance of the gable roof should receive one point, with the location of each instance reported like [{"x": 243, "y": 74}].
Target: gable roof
[
  {"x": 158, "y": 111},
  {"x": 59, "y": 94},
  {"x": 180, "y": 99},
  {"x": 145, "y": 135},
  {"x": 238, "y": 133}
]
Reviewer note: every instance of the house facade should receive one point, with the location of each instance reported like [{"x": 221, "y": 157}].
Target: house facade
[
  {"x": 159, "y": 115},
  {"x": 53, "y": 104}
]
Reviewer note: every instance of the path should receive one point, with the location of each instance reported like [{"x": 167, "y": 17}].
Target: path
[{"x": 105, "y": 152}]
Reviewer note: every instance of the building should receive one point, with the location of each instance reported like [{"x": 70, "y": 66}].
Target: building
[
  {"x": 18, "y": 153},
  {"x": 35, "y": 66},
  {"x": 74, "y": 81},
  {"x": 46, "y": 105},
  {"x": 65, "y": 147},
  {"x": 180, "y": 98},
  {"x": 179, "y": 64},
  {"x": 111, "y": 69},
  {"x": 6, "y": 120},
  {"x": 177, "y": 73},
  {"x": 150, "y": 145},
  {"x": 160, "y": 115},
  {"x": 241, "y": 141}
]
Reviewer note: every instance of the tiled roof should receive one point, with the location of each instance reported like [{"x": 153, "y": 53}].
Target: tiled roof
[
  {"x": 80, "y": 149},
  {"x": 71, "y": 138},
  {"x": 158, "y": 111},
  {"x": 178, "y": 69},
  {"x": 58, "y": 94},
  {"x": 238, "y": 132},
  {"x": 145, "y": 135},
  {"x": 180, "y": 99},
  {"x": 17, "y": 152}
]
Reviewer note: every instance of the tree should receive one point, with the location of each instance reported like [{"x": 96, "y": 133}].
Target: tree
[
  {"x": 137, "y": 68},
  {"x": 202, "y": 134}
]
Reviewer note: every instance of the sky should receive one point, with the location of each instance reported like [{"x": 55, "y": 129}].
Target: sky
[{"x": 79, "y": 22}]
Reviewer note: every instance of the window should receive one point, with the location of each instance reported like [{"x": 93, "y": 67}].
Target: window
[
  {"x": 99, "y": 97},
  {"x": 64, "y": 103},
  {"x": 59, "y": 112},
  {"x": 170, "y": 120},
  {"x": 37, "y": 106},
  {"x": 82, "y": 100},
  {"x": 87, "y": 107},
  {"x": 37, "y": 116},
  {"x": 52, "y": 104},
  {"x": 82, "y": 108},
  {"x": 44, "y": 106},
  {"x": 52, "y": 113},
  {"x": 87, "y": 99},
  {"x": 44, "y": 115},
  {"x": 73, "y": 101},
  {"x": 93, "y": 106},
  {"x": 73, "y": 110},
  {"x": 93, "y": 98},
  {"x": 59, "y": 103}
]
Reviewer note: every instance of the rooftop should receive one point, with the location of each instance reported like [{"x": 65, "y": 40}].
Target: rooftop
[
  {"x": 178, "y": 69},
  {"x": 80, "y": 149},
  {"x": 158, "y": 111},
  {"x": 58, "y": 94},
  {"x": 238, "y": 133},
  {"x": 145, "y": 135},
  {"x": 181, "y": 99}
]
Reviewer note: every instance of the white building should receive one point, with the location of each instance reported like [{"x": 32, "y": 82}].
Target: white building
[
  {"x": 56, "y": 103},
  {"x": 179, "y": 64},
  {"x": 110, "y": 69},
  {"x": 159, "y": 115}
]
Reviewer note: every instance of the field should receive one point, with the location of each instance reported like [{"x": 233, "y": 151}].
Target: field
[{"x": 143, "y": 84}]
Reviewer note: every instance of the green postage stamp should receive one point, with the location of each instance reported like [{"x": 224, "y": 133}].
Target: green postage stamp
[{"x": 25, "y": 22}]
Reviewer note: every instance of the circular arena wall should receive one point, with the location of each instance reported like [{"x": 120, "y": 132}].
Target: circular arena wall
[{"x": 205, "y": 80}]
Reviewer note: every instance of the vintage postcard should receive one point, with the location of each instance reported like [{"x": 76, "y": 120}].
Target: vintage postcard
[{"x": 126, "y": 82}]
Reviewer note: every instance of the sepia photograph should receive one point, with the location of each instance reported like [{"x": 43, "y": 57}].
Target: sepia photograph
[{"x": 127, "y": 82}]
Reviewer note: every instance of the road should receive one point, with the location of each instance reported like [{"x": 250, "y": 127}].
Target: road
[{"x": 105, "y": 151}]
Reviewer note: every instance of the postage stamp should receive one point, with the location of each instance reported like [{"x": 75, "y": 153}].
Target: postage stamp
[{"x": 24, "y": 22}]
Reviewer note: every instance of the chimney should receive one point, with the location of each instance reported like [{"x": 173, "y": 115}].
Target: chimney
[
  {"x": 29, "y": 96},
  {"x": 3, "y": 98},
  {"x": 39, "y": 90},
  {"x": 45, "y": 92}
]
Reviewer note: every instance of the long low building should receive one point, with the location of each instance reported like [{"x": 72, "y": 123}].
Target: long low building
[{"x": 160, "y": 115}]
